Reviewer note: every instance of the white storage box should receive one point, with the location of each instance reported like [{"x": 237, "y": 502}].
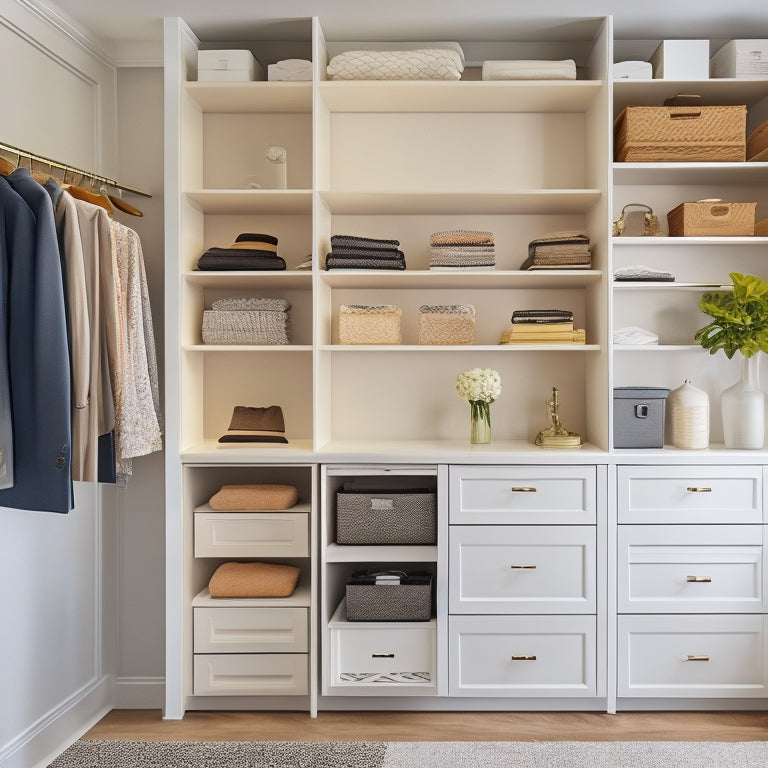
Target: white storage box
[
  {"x": 234, "y": 65},
  {"x": 681, "y": 60},
  {"x": 741, "y": 58}
]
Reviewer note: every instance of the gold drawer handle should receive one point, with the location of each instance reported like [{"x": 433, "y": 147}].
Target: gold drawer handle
[
  {"x": 382, "y": 655},
  {"x": 527, "y": 566},
  {"x": 523, "y": 489},
  {"x": 694, "y": 489},
  {"x": 522, "y": 658},
  {"x": 699, "y": 579},
  {"x": 692, "y": 657}
]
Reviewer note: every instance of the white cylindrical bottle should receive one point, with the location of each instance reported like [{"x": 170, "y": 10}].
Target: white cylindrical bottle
[{"x": 688, "y": 411}]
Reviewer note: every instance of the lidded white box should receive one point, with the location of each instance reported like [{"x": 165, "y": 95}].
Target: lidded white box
[
  {"x": 681, "y": 60},
  {"x": 233, "y": 65},
  {"x": 741, "y": 58}
]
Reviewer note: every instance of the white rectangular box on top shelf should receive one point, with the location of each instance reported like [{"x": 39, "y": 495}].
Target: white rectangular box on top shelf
[{"x": 681, "y": 60}]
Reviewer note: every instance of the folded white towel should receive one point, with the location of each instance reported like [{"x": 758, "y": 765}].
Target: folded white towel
[{"x": 529, "y": 69}]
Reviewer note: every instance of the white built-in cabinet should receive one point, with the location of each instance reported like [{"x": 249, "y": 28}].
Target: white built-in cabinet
[{"x": 546, "y": 598}]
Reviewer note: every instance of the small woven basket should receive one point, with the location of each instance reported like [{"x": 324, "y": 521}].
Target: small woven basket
[
  {"x": 362, "y": 324},
  {"x": 245, "y": 327},
  {"x": 446, "y": 324}
]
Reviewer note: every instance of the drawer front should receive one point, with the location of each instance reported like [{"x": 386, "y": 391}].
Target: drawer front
[
  {"x": 251, "y": 534},
  {"x": 249, "y": 674},
  {"x": 383, "y": 654},
  {"x": 251, "y": 630},
  {"x": 692, "y": 656},
  {"x": 522, "y": 656},
  {"x": 522, "y": 495},
  {"x": 691, "y": 568},
  {"x": 522, "y": 569},
  {"x": 690, "y": 494}
]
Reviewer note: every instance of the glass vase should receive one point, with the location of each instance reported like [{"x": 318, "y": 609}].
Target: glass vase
[
  {"x": 480, "y": 422},
  {"x": 743, "y": 407}
]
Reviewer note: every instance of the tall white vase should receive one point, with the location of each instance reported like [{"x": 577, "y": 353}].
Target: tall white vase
[{"x": 744, "y": 408}]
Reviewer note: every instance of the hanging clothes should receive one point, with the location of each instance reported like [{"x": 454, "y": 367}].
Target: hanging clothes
[
  {"x": 38, "y": 356},
  {"x": 6, "y": 424}
]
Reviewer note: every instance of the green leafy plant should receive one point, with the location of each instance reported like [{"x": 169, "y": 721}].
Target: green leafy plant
[{"x": 739, "y": 317}]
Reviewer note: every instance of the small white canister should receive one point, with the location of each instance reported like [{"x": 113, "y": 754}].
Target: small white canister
[{"x": 688, "y": 411}]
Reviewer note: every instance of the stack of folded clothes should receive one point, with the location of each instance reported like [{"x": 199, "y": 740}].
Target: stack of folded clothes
[
  {"x": 559, "y": 250},
  {"x": 462, "y": 249},
  {"x": 250, "y": 251},
  {"x": 353, "y": 252},
  {"x": 543, "y": 326}
]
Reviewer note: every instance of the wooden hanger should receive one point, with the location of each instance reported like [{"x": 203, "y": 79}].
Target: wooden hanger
[
  {"x": 6, "y": 166},
  {"x": 89, "y": 196},
  {"x": 121, "y": 205}
]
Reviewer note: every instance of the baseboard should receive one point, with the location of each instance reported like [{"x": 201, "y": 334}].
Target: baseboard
[
  {"x": 139, "y": 693},
  {"x": 52, "y": 734}
]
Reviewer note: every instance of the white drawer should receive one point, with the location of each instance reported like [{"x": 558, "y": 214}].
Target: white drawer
[
  {"x": 522, "y": 656},
  {"x": 522, "y": 495},
  {"x": 690, "y": 494},
  {"x": 251, "y": 534},
  {"x": 691, "y": 568},
  {"x": 692, "y": 656},
  {"x": 251, "y": 630},
  {"x": 385, "y": 655},
  {"x": 522, "y": 569},
  {"x": 250, "y": 674}
]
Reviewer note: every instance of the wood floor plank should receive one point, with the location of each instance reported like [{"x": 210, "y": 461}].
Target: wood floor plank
[{"x": 148, "y": 725}]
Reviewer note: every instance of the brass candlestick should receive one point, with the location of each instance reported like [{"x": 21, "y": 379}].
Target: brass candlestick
[{"x": 556, "y": 435}]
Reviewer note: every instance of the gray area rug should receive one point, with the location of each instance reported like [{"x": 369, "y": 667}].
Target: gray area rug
[{"x": 424, "y": 754}]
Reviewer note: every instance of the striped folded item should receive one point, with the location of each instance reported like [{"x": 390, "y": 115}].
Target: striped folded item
[
  {"x": 354, "y": 241},
  {"x": 464, "y": 267},
  {"x": 251, "y": 303},
  {"x": 223, "y": 259},
  {"x": 529, "y": 69},
  {"x": 366, "y": 253},
  {"x": 346, "y": 263},
  {"x": 461, "y": 237}
]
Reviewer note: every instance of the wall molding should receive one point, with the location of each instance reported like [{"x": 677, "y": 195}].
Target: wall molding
[{"x": 139, "y": 693}]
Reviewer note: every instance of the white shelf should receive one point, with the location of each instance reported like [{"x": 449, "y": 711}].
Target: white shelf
[
  {"x": 659, "y": 348},
  {"x": 380, "y": 553},
  {"x": 300, "y": 506},
  {"x": 650, "y": 285},
  {"x": 658, "y": 242},
  {"x": 499, "y": 279},
  {"x": 240, "y": 201},
  {"x": 714, "y": 174},
  {"x": 440, "y": 202},
  {"x": 214, "y": 452},
  {"x": 504, "y": 348},
  {"x": 458, "y": 96},
  {"x": 248, "y": 279},
  {"x": 713, "y": 91},
  {"x": 339, "y": 620},
  {"x": 299, "y": 599},
  {"x": 247, "y": 348},
  {"x": 252, "y": 97}
]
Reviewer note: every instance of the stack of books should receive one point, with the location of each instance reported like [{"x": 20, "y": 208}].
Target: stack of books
[{"x": 543, "y": 326}]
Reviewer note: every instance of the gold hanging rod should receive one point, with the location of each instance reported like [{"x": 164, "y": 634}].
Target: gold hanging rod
[{"x": 70, "y": 169}]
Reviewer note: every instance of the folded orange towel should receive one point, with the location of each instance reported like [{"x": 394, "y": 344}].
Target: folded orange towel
[
  {"x": 254, "y": 497},
  {"x": 253, "y": 580}
]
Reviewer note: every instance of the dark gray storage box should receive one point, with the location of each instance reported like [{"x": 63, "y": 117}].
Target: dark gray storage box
[
  {"x": 638, "y": 417},
  {"x": 410, "y": 600},
  {"x": 393, "y": 516}
]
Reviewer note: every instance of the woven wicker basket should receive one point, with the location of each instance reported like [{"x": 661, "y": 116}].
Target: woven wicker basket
[
  {"x": 245, "y": 327},
  {"x": 712, "y": 218},
  {"x": 447, "y": 324},
  {"x": 680, "y": 133},
  {"x": 757, "y": 144},
  {"x": 361, "y": 324}
]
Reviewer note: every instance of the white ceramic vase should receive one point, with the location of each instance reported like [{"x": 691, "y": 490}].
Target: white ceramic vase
[
  {"x": 743, "y": 407},
  {"x": 688, "y": 411}
]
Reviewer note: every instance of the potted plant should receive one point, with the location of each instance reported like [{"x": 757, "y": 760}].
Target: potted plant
[{"x": 739, "y": 324}]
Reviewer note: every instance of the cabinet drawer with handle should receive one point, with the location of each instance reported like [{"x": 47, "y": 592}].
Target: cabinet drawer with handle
[
  {"x": 523, "y": 495},
  {"x": 251, "y": 630},
  {"x": 249, "y": 674}
]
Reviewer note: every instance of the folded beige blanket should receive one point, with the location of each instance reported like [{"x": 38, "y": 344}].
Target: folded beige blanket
[
  {"x": 529, "y": 69},
  {"x": 254, "y": 580},
  {"x": 254, "y": 498}
]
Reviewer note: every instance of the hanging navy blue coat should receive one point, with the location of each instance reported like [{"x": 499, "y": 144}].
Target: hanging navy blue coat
[{"x": 37, "y": 350}]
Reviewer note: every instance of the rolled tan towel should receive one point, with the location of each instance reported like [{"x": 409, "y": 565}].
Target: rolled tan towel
[
  {"x": 253, "y": 580},
  {"x": 255, "y": 497}
]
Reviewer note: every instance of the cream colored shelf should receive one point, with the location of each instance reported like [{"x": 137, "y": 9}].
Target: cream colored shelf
[
  {"x": 213, "y": 452},
  {"x": 444, "y": 96},
  {"x": 384, "y": 278},
  {"x": 650, "y": 285},
  {"x": 239, "y": 201},
  {"x": 675, "y": 174},
  {"x": 288, "y": 278},
  {"x": 437, "y": 201},
  {"x": 380, "y": 553},
  {"x": 658, "y": 348},
  {"x": 252, "y": 97},
  {"x": 339, "y": 619},
  {"x": 301, "y": 598},
  {"x": 676, "y": 242},
  {"x": 212, "y": 348},
  {"x": 713, "y": 91},
  {"x": 503, "y": 348}
]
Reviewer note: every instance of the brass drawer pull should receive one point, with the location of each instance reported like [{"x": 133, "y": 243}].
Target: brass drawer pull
[
  {"x": 522, "y": 658},
  {"x": 523, "y": 489},
  {"x": 692, "y": 657},
  {"x": 382, "y": 655},
  {"x": 694, "y": 489},
  {"x": 527, "y": 567},
  {"x": 699, "y": 579}
]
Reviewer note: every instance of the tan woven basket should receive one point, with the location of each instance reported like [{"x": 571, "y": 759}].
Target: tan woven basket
[
  {"x": 712, "y": 218},
  {"x": 757, "y": 144},
  {"x": 245, "y": 327},
  {"x": 361, "y": 324},
  {"x": 681, "y": 134},
  {"x": 447, "y": 324}
]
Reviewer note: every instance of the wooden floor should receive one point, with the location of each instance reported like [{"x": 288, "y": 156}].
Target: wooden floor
[{"x": 148, "y": 725}]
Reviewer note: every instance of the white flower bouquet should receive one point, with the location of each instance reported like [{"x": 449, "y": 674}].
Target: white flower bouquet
[
  {"x": 276, "y": 154},
  {"x": 481, "y": 386}
]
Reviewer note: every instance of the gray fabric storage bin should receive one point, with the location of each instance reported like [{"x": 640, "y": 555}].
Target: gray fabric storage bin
[
  {"x": 393, "y": 516},
  {"x": 638, "y": 417},
  {"x": 410, "y": 600}
]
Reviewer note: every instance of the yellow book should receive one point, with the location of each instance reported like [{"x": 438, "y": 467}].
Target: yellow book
[{"x": 577, "y": 336}]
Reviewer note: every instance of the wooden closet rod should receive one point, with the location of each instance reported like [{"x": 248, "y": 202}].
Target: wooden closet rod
[{"x": 68, "y": 168}]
